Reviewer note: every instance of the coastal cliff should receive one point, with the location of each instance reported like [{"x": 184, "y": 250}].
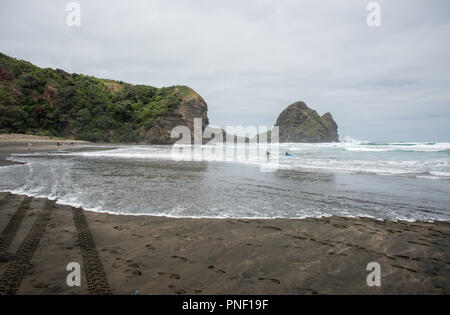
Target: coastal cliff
[
  {"x": 55, "y": 103},
  {"x": 191, "y": 106}
]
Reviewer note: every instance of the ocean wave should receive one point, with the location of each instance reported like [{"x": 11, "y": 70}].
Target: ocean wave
[
  {"x": 434, "y": 169},
  {"x": 424, "y": 159},
  {"x": 399, "y": 147},
  {"x": 440, "y": 174}
]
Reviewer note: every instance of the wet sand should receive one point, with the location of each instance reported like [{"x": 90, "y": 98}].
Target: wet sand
[
  {"x": 18, "y": 143},
  {"x": 156, "y": 255}
]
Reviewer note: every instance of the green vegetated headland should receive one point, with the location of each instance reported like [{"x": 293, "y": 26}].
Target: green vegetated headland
[{"x": 55, "y": 103}]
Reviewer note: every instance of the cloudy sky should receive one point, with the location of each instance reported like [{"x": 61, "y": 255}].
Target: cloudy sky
[{"x": 249, "y": 59}]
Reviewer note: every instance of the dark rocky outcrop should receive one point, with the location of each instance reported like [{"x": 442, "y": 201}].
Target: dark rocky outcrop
[
  {"x": 191, "y": 107},
  {"x": 299, "y": 123}
]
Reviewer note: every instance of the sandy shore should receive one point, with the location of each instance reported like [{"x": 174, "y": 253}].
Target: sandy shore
[
  {"x": 23, "y": 138},
  {"x": 19, "y": 143},
  {"x": 155, "y": 255}
]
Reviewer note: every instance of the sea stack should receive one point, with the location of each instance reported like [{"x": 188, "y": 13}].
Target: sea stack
[{"x": 300, "y": 124}]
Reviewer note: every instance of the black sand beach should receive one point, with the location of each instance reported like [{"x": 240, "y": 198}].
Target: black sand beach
[{"x": 156, "y": 255}]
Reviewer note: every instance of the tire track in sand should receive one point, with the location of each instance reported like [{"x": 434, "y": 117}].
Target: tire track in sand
[
  {"x": 10, "y": 230},
  {"x": 92, "y": 264},
  {"x": 17, "y": 268},
  {"x": 5, "y": 199}
]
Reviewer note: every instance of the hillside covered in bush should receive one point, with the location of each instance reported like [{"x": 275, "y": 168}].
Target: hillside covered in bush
[{"x": 55, "y": 103}]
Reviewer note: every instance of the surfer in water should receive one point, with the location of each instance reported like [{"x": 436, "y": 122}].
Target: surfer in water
[{"x": 288, "y": 154}]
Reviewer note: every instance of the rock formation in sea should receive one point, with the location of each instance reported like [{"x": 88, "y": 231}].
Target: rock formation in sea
[{"x": 298, "y": 123}]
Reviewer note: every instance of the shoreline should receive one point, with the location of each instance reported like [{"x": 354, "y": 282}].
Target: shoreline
[
  {"x": 6, "y": 152},
  {"x": 17, "y": 146},
  {"x": 217, "y": 218},
  {"x": 160, "y": 255}
]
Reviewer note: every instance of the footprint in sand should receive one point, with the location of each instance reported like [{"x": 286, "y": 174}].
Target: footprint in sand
[
  {"x": 149, "y": 246},
  {"x": 184, "y": 259},
  {"x": 272, "y": 227},
  {"x": 250, "y": 244},
  {"x": 133, "y": 273},
  {"x": 116, "y": 266},
  {"x": 270, "y": 279},
  {"x": 211, "y": 267},
  {"x": 41, "y": 285},
  {"x": 134, "y": 265},
  {"x": 171, "y": 275},
  {"x": 114, "y": 251}
]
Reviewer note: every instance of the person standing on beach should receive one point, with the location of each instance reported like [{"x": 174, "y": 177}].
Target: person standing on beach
[
  {"x": 29, "y": 146},
  {"x": 267, "y": 155}
]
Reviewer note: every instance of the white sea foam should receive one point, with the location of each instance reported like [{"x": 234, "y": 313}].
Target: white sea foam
[
  {"x": 326, "y": 157},
  {"x": 443, "y": 174}
]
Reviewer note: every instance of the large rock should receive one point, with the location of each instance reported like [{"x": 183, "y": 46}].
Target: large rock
[
  {"x": 191, "y": 107},
  {"x": 298, "y": 123}
]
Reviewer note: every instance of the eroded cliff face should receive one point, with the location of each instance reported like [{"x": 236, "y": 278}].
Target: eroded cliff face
[
  {"x": 191, "y": 106},
  {"x": 300, "y": 124}
]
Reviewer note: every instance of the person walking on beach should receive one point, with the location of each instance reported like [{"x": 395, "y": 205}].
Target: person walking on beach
[
  {"x": 267, "y": 155},
  {"x": 29, "y": 146}
]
